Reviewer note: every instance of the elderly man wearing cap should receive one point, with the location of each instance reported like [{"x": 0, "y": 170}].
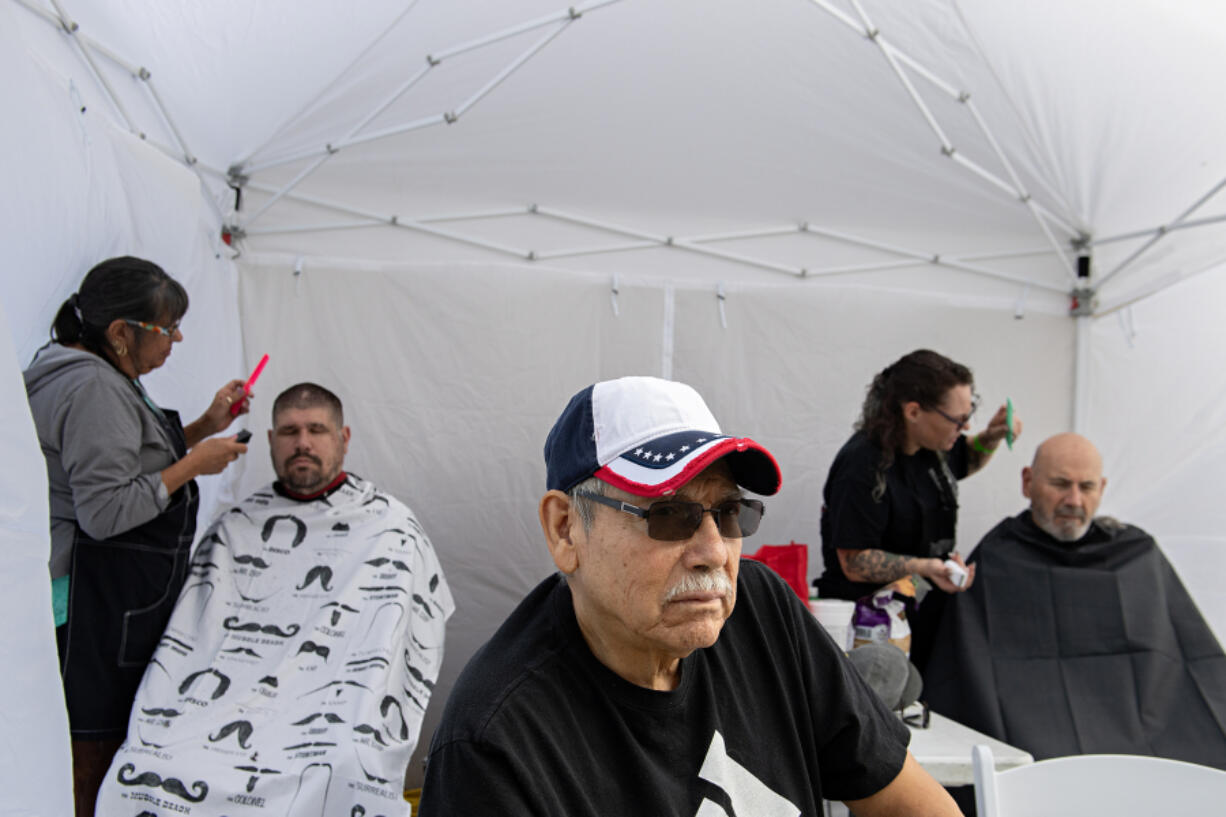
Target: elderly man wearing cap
[{"x": 656, "y": 673}]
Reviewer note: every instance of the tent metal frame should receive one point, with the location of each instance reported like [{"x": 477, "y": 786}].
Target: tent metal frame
[
  {"x": 648, "y": 240},
  {"x": 1084, "y": 290},
  {"x": 559, "y": 21},
  {"x": 902, "y": 65}
]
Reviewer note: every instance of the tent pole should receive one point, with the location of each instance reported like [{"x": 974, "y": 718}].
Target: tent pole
[
  {"x": 448, "y": 117},
  {"x": 246, "y": 157},
  {"x": 70, "y": 28},
  {"x": 1081, "y": 309},
  {"x": 564, "y": 18},
  {"x": 1216, "y": 265},
  {"x": 1168, "y": 228},
  {"x": 1081, "y": 372},
  {"x": 1163, "y": 230},
  {"x": 668, "y": 330}
]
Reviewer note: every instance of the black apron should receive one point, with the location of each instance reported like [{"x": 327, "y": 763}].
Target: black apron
[{"x": 121, "y": 594}]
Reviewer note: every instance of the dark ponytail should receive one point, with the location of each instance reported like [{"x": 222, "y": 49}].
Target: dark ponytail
[
  {"x": 124, "y": 288},
  {"x": 67, "y": 326}
]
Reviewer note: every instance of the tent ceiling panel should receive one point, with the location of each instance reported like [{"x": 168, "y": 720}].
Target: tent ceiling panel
[
  {"x": 945, "y": 127},
  {"x": 1084, "y": 74}
]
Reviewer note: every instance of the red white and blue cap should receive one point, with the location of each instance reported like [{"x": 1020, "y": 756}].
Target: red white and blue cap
[{"x": 648, "y": 437}]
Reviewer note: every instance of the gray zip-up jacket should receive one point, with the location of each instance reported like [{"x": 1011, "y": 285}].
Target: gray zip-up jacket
[{"x": 105, "y": 448}]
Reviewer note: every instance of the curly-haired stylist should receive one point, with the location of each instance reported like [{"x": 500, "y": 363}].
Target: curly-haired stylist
[
  {"x": 891, "y": 498},
  {"x": 122, "y": 496}
]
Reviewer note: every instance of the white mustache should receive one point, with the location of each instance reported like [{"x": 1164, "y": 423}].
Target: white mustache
[
  {"x": 717, "y": 582},
  {"x": 1072, "y": 510}
]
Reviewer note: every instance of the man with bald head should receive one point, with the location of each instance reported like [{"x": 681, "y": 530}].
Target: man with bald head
[
  {"x": 1078, "y": 636},
  {"x": 1064, "y": 485}
]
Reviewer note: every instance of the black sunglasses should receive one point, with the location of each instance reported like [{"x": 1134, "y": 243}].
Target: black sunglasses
[{"x": 672, "y": 520}]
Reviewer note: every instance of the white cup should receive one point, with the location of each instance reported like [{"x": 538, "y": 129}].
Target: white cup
[{"x": 835, "y": 615}]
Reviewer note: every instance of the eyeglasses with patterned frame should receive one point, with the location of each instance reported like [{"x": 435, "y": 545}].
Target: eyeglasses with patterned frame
[
  {"x": 153, "y": 327},
  {"x": 673, "y": 520},
  {"x": 964, "y": 420}
]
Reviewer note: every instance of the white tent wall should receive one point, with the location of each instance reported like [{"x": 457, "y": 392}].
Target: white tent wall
[
  {"x": 34, "y": 753},
  {"x": 453, "y": 374},
  {"x": 1158, "y": 405}
]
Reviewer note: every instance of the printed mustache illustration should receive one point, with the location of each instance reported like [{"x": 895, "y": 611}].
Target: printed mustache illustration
[
  {"x": 336, "y": 614},
  {"x": 425, "y": 607},
  {"x": 333, "y": 684},
  {"x": 310, "y": 646},
  {"x": 182, "y": 644},
  {"x": 314, "y": 771},
  {"x": 269, "y": 680},
  {"x": 385, "y": 620},
  {"x": 171, "y": 785},
  {"x": 244, "y": 651},
  {"x": 232, "y": 623},
  {"x": 254, "y": 561},
  {"x": 256, "y": 771},
  {"x": 370, "y": 778},
  {"x": 377, "y": 498},
  {"x": 421, "y": 706},
  {"x": 328, "y": 716},
  {"x": 300, "y": 528},
  {"x": 403, "y": 534},
  {"x": 212, "y": 538},
  {"x": 155, "y": 712},
  {"x": 396, "y": 563},
  {"x": 243, "y": 728},
  {"x": 321, "y": 572},
  {"x": 367, "y": 729},
  {"x": 383, "y": 588},
  {"x": 207, "y": 588},
  {"x": 223, "y": 682},
  {"x": 416, "y": 673},
  {"x": 256, "y": 599},
  {"x": 368, "y": 663},
  {"x": 388, "y": 703}
]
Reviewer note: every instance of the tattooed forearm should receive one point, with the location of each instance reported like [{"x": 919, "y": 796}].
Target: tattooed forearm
[{"x": 875, "y": 565}]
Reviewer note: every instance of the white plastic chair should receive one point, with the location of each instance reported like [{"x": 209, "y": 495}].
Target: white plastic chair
[{"x": 1089, "y": 785}]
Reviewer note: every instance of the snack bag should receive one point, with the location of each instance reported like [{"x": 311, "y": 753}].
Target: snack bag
[{"x": 882, "y": 616}]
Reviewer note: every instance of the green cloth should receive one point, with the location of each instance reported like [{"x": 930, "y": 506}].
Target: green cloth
[{"x": 59, "y": 599}]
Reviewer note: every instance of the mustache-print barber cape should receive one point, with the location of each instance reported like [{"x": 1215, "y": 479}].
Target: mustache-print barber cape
[{"x": 296, "y": 668}]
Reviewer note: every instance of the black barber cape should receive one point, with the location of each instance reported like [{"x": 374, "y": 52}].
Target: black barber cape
[{"x": 1085, "y": 647}]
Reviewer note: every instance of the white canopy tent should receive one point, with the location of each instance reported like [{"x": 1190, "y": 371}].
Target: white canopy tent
[{"x": 459, "y": 212}]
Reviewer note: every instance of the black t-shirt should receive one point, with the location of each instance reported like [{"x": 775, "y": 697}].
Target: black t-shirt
[
  {"x": 916, "y": 515},
  {"x": 767, "y": 721}
]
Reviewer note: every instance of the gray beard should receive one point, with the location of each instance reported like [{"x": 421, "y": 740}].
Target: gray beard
[{"x": 1054, "y": 531}]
